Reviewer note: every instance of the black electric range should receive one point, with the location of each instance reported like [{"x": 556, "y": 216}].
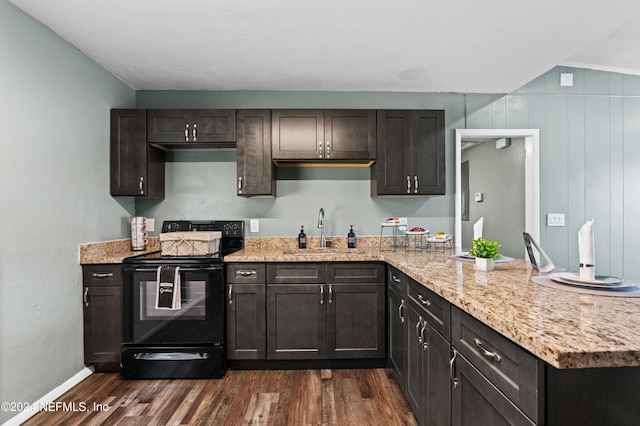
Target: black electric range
[{"x": 186, "y": 339}]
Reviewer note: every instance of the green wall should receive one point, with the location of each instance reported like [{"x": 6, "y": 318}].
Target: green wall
[
  {"x": 590, "y": 152},
  {"x": 54, "y": 187}
]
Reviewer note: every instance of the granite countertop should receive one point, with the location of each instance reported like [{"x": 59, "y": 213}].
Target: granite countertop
[
  {"x": 113, "y": 251},
  {"x": 565, "y": 329}
]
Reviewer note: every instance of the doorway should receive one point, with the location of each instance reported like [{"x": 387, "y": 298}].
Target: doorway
[{"x": 531, "y": 178}]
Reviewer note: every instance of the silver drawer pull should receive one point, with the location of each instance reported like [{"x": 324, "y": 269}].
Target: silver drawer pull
[
  {"x": 452, "y": 368},
  {"x": 418, "y": 335},
  {"x": 102, "y": 274},
  {"x": 230, "y": 294},
  {"x": 85, "y": 298},
  {"x": 246, "y": 273},
  {"x": 424, "y": 302},
  {"x": 401, "y": 312},
  {"x": 487, "y": 353},
  {"x": 395, "y": 279}
]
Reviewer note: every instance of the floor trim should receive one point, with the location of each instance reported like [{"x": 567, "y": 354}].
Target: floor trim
[{"x": 50, "y": 397}]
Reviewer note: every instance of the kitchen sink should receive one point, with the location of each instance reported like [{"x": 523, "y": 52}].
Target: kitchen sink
[{"x": 322, "y": 250}]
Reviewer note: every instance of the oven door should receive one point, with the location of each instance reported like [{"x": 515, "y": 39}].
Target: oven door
[{"x": 198, "y": 321}]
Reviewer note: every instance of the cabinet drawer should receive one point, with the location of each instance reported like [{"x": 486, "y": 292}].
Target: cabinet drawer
[
  {"x": 101, "y": 275},
  {"x": 246, "y": 273},
  {"x": 397, "y": 281},
  {"x": 511, "y": 369},
  {"x": 296, "y": 273},
  {"x": 355, "y": 272},
  {"x": 437, "y": 310}
]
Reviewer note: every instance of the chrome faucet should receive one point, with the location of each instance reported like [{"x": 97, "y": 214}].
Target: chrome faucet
[{"x": 323, "y": 238}]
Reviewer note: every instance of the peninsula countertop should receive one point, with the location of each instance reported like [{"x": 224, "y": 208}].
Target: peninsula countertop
[{"x": 564, "y": 329}]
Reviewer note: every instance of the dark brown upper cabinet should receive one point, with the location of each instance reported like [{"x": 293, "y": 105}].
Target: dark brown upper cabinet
[
  {"x": 191, "y": 127},
  {"x": 136, "y": 169},
  {"x": 411, "y": 157},
  {"x": 324, "y": 135},
  {"x": 256, "y": 174}
]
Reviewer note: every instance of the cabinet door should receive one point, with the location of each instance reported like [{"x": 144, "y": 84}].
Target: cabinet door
[
  {"x": 169, "y": 125},
  {"x": 411, "y": 157},
  {"x": 350, "y": 134},
  {"x": 356, "y": 321},
  {"x": 436, "y": 388},
  {"x": 427, "y": 153},
  {"x": 296, "y": 321},
  {"x": 102, "y": 323},
  {"x": 213, "y": 125},
  {"x": 297, "y": 134},
  {"x": 475, "y": 401},
  {"x": 396, "y": 326},
  {"x": 135, "y": 168},
  {"x": 390, "y": 172},
  {"x": 246, "y": 321},
  {"x": 256, "y": 174},
  {"x": 413, "y": 368}
]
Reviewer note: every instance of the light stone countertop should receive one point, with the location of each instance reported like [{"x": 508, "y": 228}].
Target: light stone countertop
[{"x": 565, "y": 329}]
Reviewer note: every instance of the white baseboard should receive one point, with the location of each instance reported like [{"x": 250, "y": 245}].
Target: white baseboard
[{"x": 50, "y": 397}]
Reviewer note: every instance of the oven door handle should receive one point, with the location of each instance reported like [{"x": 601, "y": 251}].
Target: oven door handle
[{"x": 182, "y": 269}]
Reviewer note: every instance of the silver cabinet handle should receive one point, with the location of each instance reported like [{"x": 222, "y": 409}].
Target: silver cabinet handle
[
  {"x": 322, "y": 295},
  {"x": 102, "y": 274},
  {"x": 423, "y": 301},
  {"x": 230, "y": 294},
  {"x": 415, "y": 184},
  {"x": 487, "y": 353},
  {"x": 330, "y": 293},
  {"x": 85, "y": 297},
  {"x": 452, "y": 374},
  {"x": 401, "y": 312},
  {"x": 239, "y": 183},
  {"x": 141, "y": 185},
  {"x": 186, "y": 132},
  {"x": 395, "y": 279},
  {"x": 328, "y": 150},
  {"x": 408, "y": 184},
  {"x": 418, "y": 335},
  {"x": 194, "y": 132},
  {"x": 319, "y": 149},
  {"x": 425, "y": 344},
  {"x": 245, "y": 273}
]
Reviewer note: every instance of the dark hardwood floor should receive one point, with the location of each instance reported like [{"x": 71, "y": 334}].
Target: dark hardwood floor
[{"x": 242, "y": 397}]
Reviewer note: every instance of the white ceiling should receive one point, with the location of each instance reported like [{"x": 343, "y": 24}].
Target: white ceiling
[{"x": 491, "y": 46}]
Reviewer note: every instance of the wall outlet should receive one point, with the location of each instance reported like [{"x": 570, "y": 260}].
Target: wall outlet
[
  {"x": 150, "y": 224},
  {"x": 254, "y": 225},
  {"x": 555, "y": 219}
]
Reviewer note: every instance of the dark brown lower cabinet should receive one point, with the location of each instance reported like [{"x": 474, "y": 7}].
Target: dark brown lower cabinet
[
  {"x": 477, "y": 402},
  {"x": 246, "y": 311},
  {"x": 246, "y": 322},
  {"x": 296, "y": 321},
  {"x": 356, "y": 321},
  {"x": 325, "y": 311},
  {"x": 102, "y": 316},
  {"x": 427, "y": 371},
  {"x": 396, "y": 331}
]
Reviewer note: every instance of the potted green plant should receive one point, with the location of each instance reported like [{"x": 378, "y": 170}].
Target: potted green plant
[{"x": 485, "y": 252}]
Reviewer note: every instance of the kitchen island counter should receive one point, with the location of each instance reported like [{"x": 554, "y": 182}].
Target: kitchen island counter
[{"x": 564, "y": 329}]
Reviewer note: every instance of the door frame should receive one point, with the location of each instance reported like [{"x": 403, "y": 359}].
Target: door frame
[{"x": 531, "y": 177}]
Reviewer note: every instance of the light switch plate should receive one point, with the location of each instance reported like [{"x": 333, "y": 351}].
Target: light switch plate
[
  {"x": 150, "y": 224},
  {"x": 254, "y": 225},
  {"x": 555, "y": 219}
]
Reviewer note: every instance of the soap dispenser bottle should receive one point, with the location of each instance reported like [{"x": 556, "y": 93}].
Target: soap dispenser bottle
[
  {"x": 351, "y": 238},
  {"x": 302, "y": 238}
]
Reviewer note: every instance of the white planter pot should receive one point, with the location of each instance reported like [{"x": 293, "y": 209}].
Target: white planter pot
[{"x": 484, "y": 264}]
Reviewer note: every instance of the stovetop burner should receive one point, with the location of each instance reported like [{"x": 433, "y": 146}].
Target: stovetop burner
[{"x": 232, "y": 241}]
